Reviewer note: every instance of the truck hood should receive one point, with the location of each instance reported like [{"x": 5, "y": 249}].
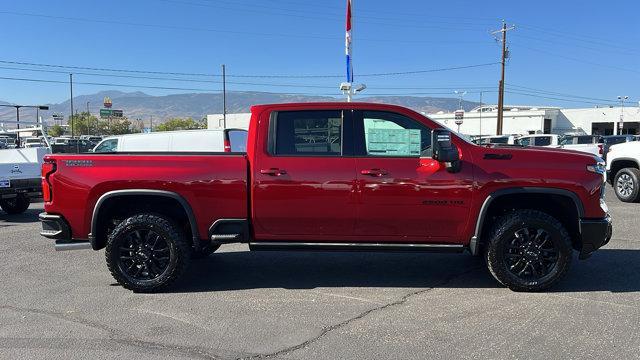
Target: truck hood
[{"x": 540, "y": 151}]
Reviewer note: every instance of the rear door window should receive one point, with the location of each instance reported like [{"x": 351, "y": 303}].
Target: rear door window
[{"x": 311, "y": 133}]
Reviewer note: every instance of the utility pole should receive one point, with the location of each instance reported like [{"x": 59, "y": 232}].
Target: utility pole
[
  {"x": 71, "y": 89},
  {"x": 224, "y": 97},
  {"x": 88, "y": 120},
  {"x": 151, "y": 124},
  {"x": 501, "y": 84}
]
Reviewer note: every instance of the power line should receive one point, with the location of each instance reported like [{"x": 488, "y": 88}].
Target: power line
[
  {"x": 554, "y": 98},
  {"x": 205, "y": 90},
  {"x": 524, "y": 88},
  {"x": 245, "y": 76},
  {"x": 174, "y": 27},
  {"x": 628, "y": 52},
  {"x": 576, "y": 59},
  {"x": 578, "y": 37},
  {"x": 335, "y": 16}
]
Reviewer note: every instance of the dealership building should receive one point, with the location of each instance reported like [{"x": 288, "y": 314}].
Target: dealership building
[
  {"x": 548, "y": 120},
  {"x": 517, "y": 120}
]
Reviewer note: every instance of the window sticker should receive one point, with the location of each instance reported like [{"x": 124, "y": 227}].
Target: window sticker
[{"x": 393, "y": 142}]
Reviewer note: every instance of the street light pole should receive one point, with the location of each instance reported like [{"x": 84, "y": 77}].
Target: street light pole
[{"x": 621, "y": 123}]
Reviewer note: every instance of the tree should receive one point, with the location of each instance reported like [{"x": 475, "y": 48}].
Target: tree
[
  {"x": 120, "y": 127},
  {"x": 180, "y": 124},
  {"x": 56, "y": 130},
  {"x": 84, "y": 124}
]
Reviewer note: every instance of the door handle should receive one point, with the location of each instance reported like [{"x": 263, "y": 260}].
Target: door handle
[
  {"x": 374, "y": 172},
  {"x": 273, "y": 172}
]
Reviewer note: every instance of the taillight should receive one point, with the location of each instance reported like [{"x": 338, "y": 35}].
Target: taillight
[
  {"x": 227, "y": 145},
  {"x": 48, "y": 168},
  {"x": 600, "y": 149}
]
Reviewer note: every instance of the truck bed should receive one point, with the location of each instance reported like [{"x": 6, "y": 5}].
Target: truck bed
[{"x": 215, "y": 185}]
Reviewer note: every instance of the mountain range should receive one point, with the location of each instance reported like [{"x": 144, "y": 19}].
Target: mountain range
[{"x": 198, "y": 105}]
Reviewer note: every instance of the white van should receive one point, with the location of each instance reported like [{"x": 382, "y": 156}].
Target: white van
[{"x": 228, "y": 140}]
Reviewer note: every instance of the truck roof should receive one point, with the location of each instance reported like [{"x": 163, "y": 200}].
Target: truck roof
[{"x": 331, "y": 105}]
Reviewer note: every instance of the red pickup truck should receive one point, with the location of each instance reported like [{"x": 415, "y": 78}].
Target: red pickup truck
[{"x": 332, "y": 176}]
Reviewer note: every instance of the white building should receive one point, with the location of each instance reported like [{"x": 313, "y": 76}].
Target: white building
[
  {"x": 517, "y": 120},
  {"x": 529, "y": 120},
  {"x": 234, "y": 121}
]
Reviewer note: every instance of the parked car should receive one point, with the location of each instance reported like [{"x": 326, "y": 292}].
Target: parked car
[
  {"x": 497, "y": 139},
  {"x": 611, "y": 140},
  {"x": 93, "y": 139},
  {"x": 623, "y": 170},
  {"x": 586, "y": 144},
  {"x": 228, "y": 140},
  {"x": 3, "y": 144},
  {"x": 71, "y": 146},
  {"x": 33, "y": 142},
  {"x": 332, "y": 176}
]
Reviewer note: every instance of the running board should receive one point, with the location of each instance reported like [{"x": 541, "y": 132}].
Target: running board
[
  {"x": 225, "y": 238},
  {"x": 322, "y": 246}
]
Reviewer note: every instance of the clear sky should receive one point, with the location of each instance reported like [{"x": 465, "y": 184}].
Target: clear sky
[{"x": 565, "y": 53}]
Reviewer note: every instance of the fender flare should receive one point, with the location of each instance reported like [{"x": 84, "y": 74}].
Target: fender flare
[
  {"x": 474, "y": 243},
  {"x": 145, "y": 192}
]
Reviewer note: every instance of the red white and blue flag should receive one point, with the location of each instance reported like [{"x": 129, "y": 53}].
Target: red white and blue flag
[{"x": 348, "y": 44}]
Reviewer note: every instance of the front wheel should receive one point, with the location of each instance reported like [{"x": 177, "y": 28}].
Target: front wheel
[
  {"x": 627, "y": 185},
  {"x": 16, "y": 205},
  {"x": 528, "y": 250},
  {"x": 147, "y": 253}
]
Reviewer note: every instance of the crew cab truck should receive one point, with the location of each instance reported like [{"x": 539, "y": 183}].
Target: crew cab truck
[{"x": 331, "y": 176}]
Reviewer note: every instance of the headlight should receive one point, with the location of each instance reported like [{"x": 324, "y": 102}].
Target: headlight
[{"x": 599, "y": 168}]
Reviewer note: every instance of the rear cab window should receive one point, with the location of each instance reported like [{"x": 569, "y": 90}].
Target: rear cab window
[
  {"x": 237, "y": 140},
  {"x": 307, "y": 133}
]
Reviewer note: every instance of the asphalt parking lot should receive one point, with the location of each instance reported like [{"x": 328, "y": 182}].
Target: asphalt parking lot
[{"x": 238, "y": 304}]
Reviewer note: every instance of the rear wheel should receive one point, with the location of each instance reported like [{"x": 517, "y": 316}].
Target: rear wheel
[
  {"x": 627, "y": 185},
  {"x": 147, "y": 253},
  {"x": 16, "y": 205},
  {"x": 528, "y": 251}
]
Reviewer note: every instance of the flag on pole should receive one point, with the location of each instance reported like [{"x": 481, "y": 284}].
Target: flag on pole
[{"x": 348, "y": 44}]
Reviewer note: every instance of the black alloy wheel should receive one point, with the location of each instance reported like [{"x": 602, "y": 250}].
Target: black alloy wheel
[
  {"x": 530, "y": 254},
  {"x": 147, "y": 252},
  {"x": 143, "y": 254},
  {"x": 528, "y": 250}
]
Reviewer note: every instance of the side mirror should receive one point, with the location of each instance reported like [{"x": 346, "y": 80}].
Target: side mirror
[{"x": 444, "y": 150}]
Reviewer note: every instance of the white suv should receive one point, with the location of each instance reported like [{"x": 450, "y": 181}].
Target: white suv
[{"x": 623, "y": 170}]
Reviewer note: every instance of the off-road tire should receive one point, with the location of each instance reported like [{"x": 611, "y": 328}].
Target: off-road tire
[
  {"x": 16, "y": 205},
  {"x": 626, "y": 185},
  {"x": 205, "y": 251},
  {"x": 500, "y": 254},
  {"x": 177, "y": 256}
]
